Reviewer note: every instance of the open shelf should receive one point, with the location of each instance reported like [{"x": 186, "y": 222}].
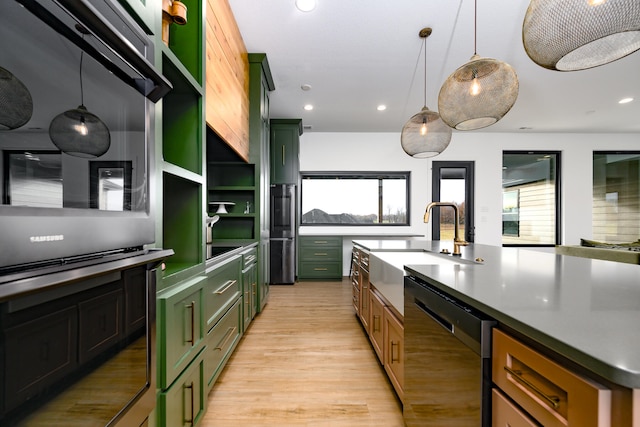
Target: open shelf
[
  {"x": 182, "y": 221},
  {"x": 186, "y": 41},
  {"x": 182, "y": 122}
]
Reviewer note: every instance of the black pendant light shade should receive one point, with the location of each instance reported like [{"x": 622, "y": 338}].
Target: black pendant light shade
[
  {"x": 571, "y": 35},
  {"x": 478, "y": 94},
  {"x": 16, "y": 105},
  {"x": 425, "y": 135},
  {"x": 80, "y": 133}
]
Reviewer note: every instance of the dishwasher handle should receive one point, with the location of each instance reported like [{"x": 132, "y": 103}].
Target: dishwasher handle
[{"x": 438, "y": 319}]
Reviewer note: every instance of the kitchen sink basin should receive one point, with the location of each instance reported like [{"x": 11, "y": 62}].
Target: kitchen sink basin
[{"x": 386, "y": 269}]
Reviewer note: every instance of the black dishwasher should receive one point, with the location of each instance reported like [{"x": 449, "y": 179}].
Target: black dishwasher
[{"x": 447, "y": 359}]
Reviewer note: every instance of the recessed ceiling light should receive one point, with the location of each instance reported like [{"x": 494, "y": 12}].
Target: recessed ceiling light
[
  {"x": 625, "y": 100},
  {"x": 382, "y": 107},
  {"x": 308, "y": 107},
  {"x": 306, "y": 5},
  {"x": 305, "y": 87}
]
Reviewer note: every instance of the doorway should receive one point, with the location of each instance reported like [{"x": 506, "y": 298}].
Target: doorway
[{"x": 453, "y": 182}]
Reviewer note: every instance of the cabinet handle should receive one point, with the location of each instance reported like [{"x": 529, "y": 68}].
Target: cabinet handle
[
  {"x": 376, "y": 323},
  {"x": 320, "y": 242},
  {"x": 320, "y": 254},
  {"x": 320, "y": 269},
  {"x": 552, "y": 400},
  {"x": 192, "y": 307},
  {"x": 228, "y": 335},
  {"x": 394, "y": 359},
  {"x": 283, "y": 155},
  {"x": 191, "y": 389},
  {"x": 250, "y": 259},
  {"x": 229, "y": 284}
]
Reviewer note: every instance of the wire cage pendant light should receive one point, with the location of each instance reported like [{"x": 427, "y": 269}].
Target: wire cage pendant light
[
  {"x": 425, "y": 134},
  {"x": 479, "y": 93},
  {"x": 571, "y": 35},
  {"x": 16, "y": 104},
  {"x": 77, "y": 132}
]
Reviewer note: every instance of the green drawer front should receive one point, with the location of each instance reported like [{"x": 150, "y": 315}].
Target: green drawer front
[
  {"x": 320, "y": 270},
  {"x": 249, "y": 257},
  {"x": 223, "y": 287},
  {"x": 183, "y": 404},
  {"x": 319, "y": 241},
  {"x": 221, "y": 341},
  {"x": 320, "y": 254},
  {"x": 180, "y": 328}
]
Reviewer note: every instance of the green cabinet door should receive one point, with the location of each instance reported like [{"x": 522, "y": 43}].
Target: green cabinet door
[
  {"x": 180, "y": 328},
  {"x": 285, "y": 147},
  {"x": 145, "y": 12},
  {"x": 184, "y": 403}
]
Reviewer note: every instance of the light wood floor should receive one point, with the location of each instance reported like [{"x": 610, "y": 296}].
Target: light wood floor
[{"x": 305, "y": 361}]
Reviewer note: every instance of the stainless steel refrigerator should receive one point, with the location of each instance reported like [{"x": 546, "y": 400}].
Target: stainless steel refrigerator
[{"x": 283, "y": 234}]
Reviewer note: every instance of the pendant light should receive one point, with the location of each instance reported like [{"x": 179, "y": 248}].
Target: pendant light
[
  {"x": 571, "y": 35},
  {"x": 479, "y": 93},
  {"x": 425, "y": 134},
  {"x": 16, "y": 105},
  {"x": 78, "y": 132}
]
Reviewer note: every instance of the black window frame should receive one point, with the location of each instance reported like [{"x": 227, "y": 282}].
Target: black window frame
[
  {"x": 558, "y": 191},
  {"x": 380, "y": 175}
]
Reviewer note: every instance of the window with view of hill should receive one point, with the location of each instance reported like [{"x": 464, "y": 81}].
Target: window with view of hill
[{"x": 364, "y": 198}]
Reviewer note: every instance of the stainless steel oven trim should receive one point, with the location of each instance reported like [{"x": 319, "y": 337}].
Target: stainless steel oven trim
[{"x": 155, "y": 85}]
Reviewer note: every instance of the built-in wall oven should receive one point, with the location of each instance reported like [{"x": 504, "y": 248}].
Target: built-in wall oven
[
  {"x": 77, "y": 275},
  {"x": 77, "y": 94},
  {"x": 447, "y": 359}
]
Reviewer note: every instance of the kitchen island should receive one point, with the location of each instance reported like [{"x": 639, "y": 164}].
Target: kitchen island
[{"x": 581, "y": 313}]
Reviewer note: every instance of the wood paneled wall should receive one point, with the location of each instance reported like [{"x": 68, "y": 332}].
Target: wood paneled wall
[{"x": 227, "y": 78}]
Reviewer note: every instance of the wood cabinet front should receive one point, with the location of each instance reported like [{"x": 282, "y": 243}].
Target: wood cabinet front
[
  {"x": 550, "y": 393},
  {"x": 394, "y": 351}
]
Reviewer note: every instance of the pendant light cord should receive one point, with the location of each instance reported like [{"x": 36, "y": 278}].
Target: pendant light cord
[
  {"x": 475, "y": 27},
  {"x": 81, "y": 88},
  {"x": 424, "y": 43}
]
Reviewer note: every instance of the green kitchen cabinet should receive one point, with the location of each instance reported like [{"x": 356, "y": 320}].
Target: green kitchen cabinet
[
  {"x": 260, "y": 85},
  {"x": 145, "y": 12},
  {"x": 180, "y": 328},
  {"x": 249, "y": 285},
  {"x": 184, "y": 403},
  {"x": 285, "y": 149},
  {"x": 320, "y": 258},
  {"x": 222, "y": 339},
  {"x": 223, "y": 288}
]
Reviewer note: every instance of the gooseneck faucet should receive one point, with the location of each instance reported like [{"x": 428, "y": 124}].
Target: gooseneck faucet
[{"x": 457, "y": 242}]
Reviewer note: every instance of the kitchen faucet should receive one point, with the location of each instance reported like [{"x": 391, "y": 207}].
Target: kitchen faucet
[{"x": 457, "y": 242}]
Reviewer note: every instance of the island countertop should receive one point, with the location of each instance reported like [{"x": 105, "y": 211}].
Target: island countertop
[{"x": 585, "y": 310}]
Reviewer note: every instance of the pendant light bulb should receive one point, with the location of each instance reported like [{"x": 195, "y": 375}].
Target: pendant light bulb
[
  {"x": 81, "y": 127},
  {"x": 474, "y": 90},
  {"x": 423, "y": 129}
]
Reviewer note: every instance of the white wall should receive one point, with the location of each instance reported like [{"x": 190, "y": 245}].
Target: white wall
[{"x": 382, "y": 151}]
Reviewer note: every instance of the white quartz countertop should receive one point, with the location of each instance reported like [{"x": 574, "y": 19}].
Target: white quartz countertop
[{"x": 585, "y": 310}]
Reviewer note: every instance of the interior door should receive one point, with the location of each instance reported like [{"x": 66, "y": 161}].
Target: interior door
[{"x": 453, "y": 182}]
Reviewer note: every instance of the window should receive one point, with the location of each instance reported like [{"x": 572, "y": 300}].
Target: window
[
  {"x": 530, "y": 198},
  {"x": 363, "y": 198},
  {"x": 616, "y": 196}
]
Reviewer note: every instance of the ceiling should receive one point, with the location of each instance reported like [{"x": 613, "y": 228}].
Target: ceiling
[{"x": 356, "y": 55}]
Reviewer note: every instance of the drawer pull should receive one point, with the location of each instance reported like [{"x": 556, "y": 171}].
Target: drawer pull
[
  {"x": 226, "y": 338},
  {"x": 190, "y": 388},
  {"x": 320, "y": 269},
  {"x": 229, "y": 284},
  {"x": 320, "y": 242},
  {"x": 376, "y": 323},
  {"x": 320, "y": 254},
  {"x": 192, "y": 307},
  {"x": 393, "y": 346},
  {"x": 552, "y": 400}
]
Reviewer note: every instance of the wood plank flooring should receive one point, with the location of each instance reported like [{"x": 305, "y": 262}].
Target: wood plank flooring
[{"x": 305, "y": 361}]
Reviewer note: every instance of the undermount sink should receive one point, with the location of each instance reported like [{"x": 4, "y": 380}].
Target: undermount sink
[{"x": 386, "y": 269}]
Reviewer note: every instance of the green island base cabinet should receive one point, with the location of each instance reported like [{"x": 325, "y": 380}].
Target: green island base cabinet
[
  {"x": 201, "y": 321},
  {"x": 320, "y": 258}
]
